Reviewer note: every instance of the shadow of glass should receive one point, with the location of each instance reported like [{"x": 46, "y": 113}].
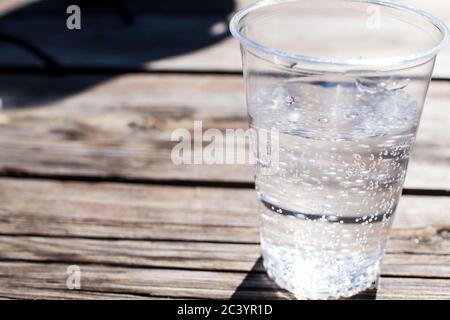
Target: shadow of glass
[
  {"x": 116, "y": 36},
  {"x": 257, "y": 285}
]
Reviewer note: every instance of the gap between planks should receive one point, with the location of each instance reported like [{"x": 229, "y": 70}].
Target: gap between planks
[
  {"x": 153, "y": 211},
  {"x": 71, "y": 214},
  {"x": 41, "y": 278},
  {"x": 71, "y": 203},
  {"x": 111, "y": 129},
  {"x": 17, "y": 174},
  {"x": 394, "y": 265}
]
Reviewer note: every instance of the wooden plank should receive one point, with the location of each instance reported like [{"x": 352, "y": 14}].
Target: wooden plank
[
  {"x": 71, "y": 211},
  {"x": 196, "y": 255},
  {"x": 151, "y": 42},
  {"x": 48, "y": 278},
  {"x": 122, "y": 211},
  {"x": 22, "y": 293},
  {"x": 92, "y": 126},
  {"x": 412, "y": 265}
]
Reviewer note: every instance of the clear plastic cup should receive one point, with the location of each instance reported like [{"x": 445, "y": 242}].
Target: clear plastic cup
[{"x": 343, "y": 82}]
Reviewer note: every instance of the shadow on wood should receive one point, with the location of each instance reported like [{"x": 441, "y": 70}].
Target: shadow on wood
[
  {"x": 369, "y": 294},
  {"x": 257, "y": 285},
  {"x": 115, "y": 37}
]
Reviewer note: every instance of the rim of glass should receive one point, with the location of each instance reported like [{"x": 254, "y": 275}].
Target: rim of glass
[{"x": 372, "y": 64}]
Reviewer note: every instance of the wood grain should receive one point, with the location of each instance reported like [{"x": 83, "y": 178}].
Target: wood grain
[
  {"x": 176, "y": 239},
  {"x": 147, "y": 240},
  {"x": 46, "y": 279},
  {"x": 198, "y": 255},
  {"x": 185, "y": 42},
  {"x": 123, "y": 211},
  {"x": 122, "y": 127}
]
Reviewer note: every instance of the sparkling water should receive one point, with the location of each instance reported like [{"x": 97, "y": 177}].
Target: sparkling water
[{"x": 328, "y": 201}]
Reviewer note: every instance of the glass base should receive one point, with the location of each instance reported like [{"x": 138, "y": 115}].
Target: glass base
[{"x": 310, "y": 279}]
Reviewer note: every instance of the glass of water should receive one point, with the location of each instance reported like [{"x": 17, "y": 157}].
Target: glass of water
[{"x": 343, "y": 83}]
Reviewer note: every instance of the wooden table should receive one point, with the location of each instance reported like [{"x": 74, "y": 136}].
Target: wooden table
[{"x": 87, "y": 181}]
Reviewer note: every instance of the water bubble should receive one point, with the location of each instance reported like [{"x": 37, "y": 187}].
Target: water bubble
[
  {"x": 294, "y": 116},
  {"x": 367, "y": 85},
  {"x": 273, "y": 106},
  {"x": 351, "y": 116},
  {"x": 396, "y": 84},
  {"x": 290, "y": 100},
  {"x": 356, "y": 156},
  {"x": 380, "y": 84},
  {"x": 323, "y": 120},
  {"x": 331, "y": 218}
]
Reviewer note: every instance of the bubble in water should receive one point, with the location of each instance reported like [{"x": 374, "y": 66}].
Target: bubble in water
[
  {"x": 274, "y": 106},
  {"x": 374, "y": 85},
  {"x": 396, "y": 84},
  {"x": 294, "y": 116},
  {"x": 351, "y": 116},
  {"x": 290, "y": 100},
  {"x": 323, "y": 120},
  {"x": 366, "y": 85}
]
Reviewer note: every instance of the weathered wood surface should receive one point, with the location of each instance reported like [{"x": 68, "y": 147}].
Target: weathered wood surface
[
  {"x": 424, "y": 260},
  {"x": 122, "y": 128},
  {"x": 49, "y": 281},
  {"x": 123, "y": 211},
  {"x": 173, "y": 240},
  {"x": 154, "y": 40},
  {"x": 142, "y": 238}
]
